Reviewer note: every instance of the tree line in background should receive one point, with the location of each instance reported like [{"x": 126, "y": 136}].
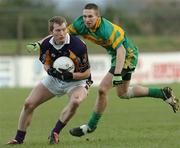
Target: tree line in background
[
  {"x": 28, "y": 18},
  {"x": 24, "y": 18}
]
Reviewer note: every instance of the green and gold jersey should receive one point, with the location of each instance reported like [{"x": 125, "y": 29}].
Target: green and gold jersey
[{"x": 109, "y": 36}]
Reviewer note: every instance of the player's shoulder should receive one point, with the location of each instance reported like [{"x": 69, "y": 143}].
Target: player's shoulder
[
  {"x": 79, "y": 20},
  {"x": 76, "y": 40},
  {"x": 109, "y": 26},
  {"x": 79, "y": 25},
  {"x": 106, "y": 24},
  {"x": 106, "y": 28},
  {"x": 45, "y": 41},
  {"x": 77, "y": 44}
]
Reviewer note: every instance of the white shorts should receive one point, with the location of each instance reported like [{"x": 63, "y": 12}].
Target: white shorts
[{"x": 59, "y": 87}]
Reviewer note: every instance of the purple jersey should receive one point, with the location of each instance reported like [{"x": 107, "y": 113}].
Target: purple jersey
[{"x": 75, "y": 49}]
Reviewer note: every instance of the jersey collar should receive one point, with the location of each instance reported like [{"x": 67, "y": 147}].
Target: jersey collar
[
  {"x": 98, "y": 22},
  {"x": 59, "y": 46}
]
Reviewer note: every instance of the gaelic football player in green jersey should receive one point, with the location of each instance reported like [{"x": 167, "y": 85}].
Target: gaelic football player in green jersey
[{"x": 124, "y": 56}]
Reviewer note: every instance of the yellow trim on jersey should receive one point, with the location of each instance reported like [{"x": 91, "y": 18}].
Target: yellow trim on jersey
[
  {"x": 111, "y": 38},
  {"x": 130, "y": 56},
  {"x": 116, "y": 42},
  {"x": 74, "y": 59},
  {"x": 72, "y": 29},
  {"x": 119, "y": 39},
  {"x": 98, "y": 22},
  {"x": 91, "y": 38},
  {"x": 48, "y": 60}
]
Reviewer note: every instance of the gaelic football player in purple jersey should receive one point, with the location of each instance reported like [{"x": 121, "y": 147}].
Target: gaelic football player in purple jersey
[{"x": 55, "y": 83}]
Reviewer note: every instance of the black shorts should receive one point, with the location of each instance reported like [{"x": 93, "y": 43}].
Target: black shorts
[{"x": 126, "y": 73}]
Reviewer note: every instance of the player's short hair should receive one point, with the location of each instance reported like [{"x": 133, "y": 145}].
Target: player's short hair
[
  {"x": 56, "y": 19},
  {"x": 93, "y": 6}
]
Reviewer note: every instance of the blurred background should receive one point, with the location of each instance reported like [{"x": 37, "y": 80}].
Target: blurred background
[{"x": 152, "y": 24}]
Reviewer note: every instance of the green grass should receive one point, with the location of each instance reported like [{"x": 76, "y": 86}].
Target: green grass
[
  {"x": 144, "y": 43},
  {"x": 137, "y": 123}
]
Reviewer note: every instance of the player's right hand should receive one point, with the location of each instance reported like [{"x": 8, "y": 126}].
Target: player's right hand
[
  {"x": 31, "y": 47},
  {"x": 66, "y": 75},
  {"x": 61, "y": 74}
]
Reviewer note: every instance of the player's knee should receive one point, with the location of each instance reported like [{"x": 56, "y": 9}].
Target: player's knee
[
  {"x": 127, "y": 94},
  {"x": 102, "y": 91},
  {"x": 75, "y": 103},
  {"x": 29, "y": 106}
]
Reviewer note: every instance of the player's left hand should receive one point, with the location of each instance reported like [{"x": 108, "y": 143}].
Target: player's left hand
[
  {"x": 66, "y": 75},
  {"x": 117, "y": 80}
]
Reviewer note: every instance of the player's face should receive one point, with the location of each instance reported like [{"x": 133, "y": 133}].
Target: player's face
[
  {"x": 59, "y": 33},
  {"x": 90, "y": 17}
]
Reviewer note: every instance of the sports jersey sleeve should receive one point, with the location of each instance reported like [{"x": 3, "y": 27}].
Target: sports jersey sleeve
[
  {"x": 44, "y": 53},
  {"x": 116, "y": 35},
  {"x": 84, "y": 61},
  {"x": 79, "y": 56},
  {"x": 72, "y": 29},
  {"x": 77, "y": 26}
]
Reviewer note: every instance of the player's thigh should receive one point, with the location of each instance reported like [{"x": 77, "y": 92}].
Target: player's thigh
[
  {"x": 106, "y": 82},
  {"x": 78, "y": 94},
  {"x": 39, "y": 94}
]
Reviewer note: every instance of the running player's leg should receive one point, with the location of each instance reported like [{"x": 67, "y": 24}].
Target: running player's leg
[
  {"x": 38, "y": 95},
  {"x": 100, "y": 106},
  {"x": 76, "y": 96},
  {"x": 166, "y": 94},
  {"x": 137, "y": 91}
]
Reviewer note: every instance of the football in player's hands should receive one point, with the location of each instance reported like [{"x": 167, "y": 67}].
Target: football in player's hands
[{"x": 64, "y": 63}]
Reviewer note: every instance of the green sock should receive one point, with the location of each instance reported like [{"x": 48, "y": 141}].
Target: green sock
[
  {"x": 94, "y": 120},
  {"x": 156, "y": 93}
]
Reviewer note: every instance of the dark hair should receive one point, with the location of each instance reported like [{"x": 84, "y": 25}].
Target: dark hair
[
  {"x": 56, "y": 19},
  {"x": 92, "y": 6}
]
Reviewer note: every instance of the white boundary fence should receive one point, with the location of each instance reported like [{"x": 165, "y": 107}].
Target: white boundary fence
[{"x": 153, "y": 68}]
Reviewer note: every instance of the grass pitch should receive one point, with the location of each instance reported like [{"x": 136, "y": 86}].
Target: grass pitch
[{"x": 136, "y": 123}]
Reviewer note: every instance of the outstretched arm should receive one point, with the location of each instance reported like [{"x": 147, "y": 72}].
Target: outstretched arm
[{"x": 36, "y": 46}]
